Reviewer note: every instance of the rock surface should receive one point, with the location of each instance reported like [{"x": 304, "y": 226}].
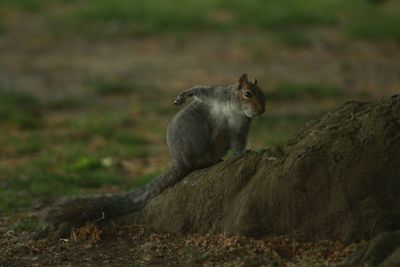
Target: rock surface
[
  {"x": 337, "y": 178},
  {"x": 383, "y": 250}
]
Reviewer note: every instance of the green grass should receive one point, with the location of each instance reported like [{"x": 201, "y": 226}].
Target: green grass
[
  {"x": 359, "y": 18},
  {"x": 379, "y": 27},
  {"x": 114, "y": 126},
  {"x": 17, "y": 144},
  {"x": 112, "y": 87},
  {"x": 66, "y": 103},
  {"x": 72, "y": 157},
  {"x": 145, "y": 16},
  {"x": 100, "y": 123},
  {"x": 143, "y": 180},
  {"x": 273, "y": 14},
  {"x": 24, "y": 185},
  {"x": 27, "y": 5},
  {"x": 178, "y": 15},
  {"x": 183, "y": 16},
  {"x": 123, "y": 88},
  {"x": 105, "y": 135},
  {"x": 47, "y": 178},
  {"x": 19, "y": 192},
  {"x": 375, "y": 21},
  {"x": 295, "y": 91},
  {"x": 3, "y": 28},
  {"x": 16, "y": 99},
  {"x": 32, "y": 143},
  {"x": 25, "y": 224},
  {"x": 20, "y": 109},
  {"x": 295, "y": 38},
  {"x": 83, "y": 163}
]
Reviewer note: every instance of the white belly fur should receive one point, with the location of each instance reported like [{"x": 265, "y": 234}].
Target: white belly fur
[{"x": 224, "y": 116}]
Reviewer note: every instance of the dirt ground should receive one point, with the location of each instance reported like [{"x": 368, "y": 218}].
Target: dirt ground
[
  {"x": 134, "y": 246},
  {"x": 57, "y": 67}
]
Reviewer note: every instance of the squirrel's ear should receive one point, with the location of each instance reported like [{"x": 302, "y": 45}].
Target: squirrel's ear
[
  {"x": 242, "y": 80},
  {"x": 255, "y": 81}
]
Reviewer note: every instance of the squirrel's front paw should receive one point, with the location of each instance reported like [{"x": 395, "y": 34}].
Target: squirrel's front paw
[{"x": 180, "y": 99}]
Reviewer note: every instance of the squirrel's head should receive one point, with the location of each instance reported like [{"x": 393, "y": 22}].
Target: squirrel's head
[{"x": 251, "y": 98}]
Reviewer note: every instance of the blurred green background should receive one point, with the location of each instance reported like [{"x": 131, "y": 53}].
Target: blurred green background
[{"x": 86, "y": 87}]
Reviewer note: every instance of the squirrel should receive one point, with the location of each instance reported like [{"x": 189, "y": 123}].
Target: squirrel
[{"x": 198, "y": 136}]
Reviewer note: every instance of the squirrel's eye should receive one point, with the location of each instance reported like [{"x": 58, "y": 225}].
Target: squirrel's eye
[{"x": 247, "y": 94}]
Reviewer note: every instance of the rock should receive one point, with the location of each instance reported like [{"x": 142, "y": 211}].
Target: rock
[
  {"x": 393, "y": 260},
  {"x": 383, "y": 250},
  {"x": 337, "y": 178}
]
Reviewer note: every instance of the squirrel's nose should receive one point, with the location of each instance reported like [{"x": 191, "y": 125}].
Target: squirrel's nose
[{"x": 261, "y": 109}]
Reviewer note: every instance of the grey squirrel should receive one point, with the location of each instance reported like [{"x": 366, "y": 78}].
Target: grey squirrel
[{"x": 198, "y": 136}]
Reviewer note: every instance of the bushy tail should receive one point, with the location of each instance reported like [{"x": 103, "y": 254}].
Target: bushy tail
[{"x": 75, "y": 212}]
